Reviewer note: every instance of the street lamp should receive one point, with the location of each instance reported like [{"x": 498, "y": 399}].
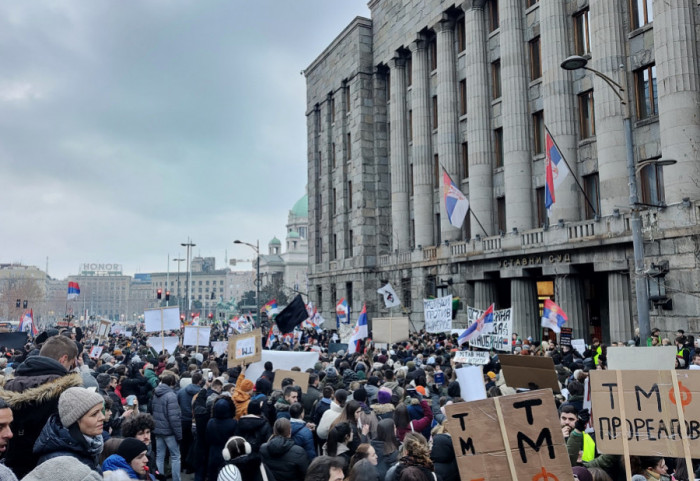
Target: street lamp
[
  {"x": 256, "y": 248},
  {"x": 576, "y": 62},
  {"x": 189, "y": 244},
  {"x": 178, "y": 260}
]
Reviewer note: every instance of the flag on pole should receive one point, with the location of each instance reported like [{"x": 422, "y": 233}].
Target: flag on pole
[
  {"x": 483, "y": 325},
  {"x": 456, "y": 204},
  {"x": 555, "y": 169},
  {"x": 553, "y": 316},
  {"x": 342, "y": 310},
  {"x": 73, "y": 290},
  {"x": 270, "y": 308},
  {"x": 26, "y": 324},
  {"x": 361, "y": 332},
  {"x": 390, "y": 297},
  {"x": 292, "y": 315}
]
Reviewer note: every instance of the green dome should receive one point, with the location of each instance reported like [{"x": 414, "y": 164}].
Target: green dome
[
  {"x": 293, "y": 235},
  {"x": 275, "y": 242},
  {"x": 301, "y": 208}
]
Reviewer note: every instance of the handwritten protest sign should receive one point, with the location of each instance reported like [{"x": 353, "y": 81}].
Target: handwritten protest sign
[
  {"x": 521, "y": 432},
  {"x": 438, "y": 314},
  {"x": 565, "y": 336},
  {"x": 245, "y": 348},
  {"x": 500, "y": 337},
  {"x": 301, "y": 379},
  {"x": 529, "y": 372},
  {"x": 477, "y": 358},
  {"x": 103, "y": 329},
  {"x": 579, "y": 345},
  {"x": 639, "y": 409},
  {"x": 96, "y": 351},
  {"x": 390, "y": 329}
]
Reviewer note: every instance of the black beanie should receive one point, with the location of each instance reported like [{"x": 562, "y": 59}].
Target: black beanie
[{"x": 130, "y": 448}]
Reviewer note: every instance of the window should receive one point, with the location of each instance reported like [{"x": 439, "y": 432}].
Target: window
[
  {"x": 409, "y": 71},
  {"x": 586, "y": 115},
  {"x": 530, "y": 3},
  {"x": 348, "y": 100},
  {"x": 592, "y": 190},
  {"x": 349, "y": 243},
  {"x": 463, "y": 97},
  {"x": 334, "y": 201},
  {"x": 333, "y": 295},
  {"x": 348, "y": 293},
  {"x": 410, "y": 125},
  {"x": 538, "y": 132},
  {"x": 647, "y": 97},
  {"x": 535, "y": 59},
  {"x": 496, "y": 79},
  {"x": 493, "y": 15},
  {"x": 436, "y": 171},
  {"x": 332, "y": 107},
  {"x": 498, "y": 147},
  {"x": 410, "y": 179},
  {"x": 582, "y": 33},
  {"x": 334, "y": 247},
  {"x": 333, "y": 154},
  {"x": 388, "y": 85},
  {"x": 438, "y": 232},
  {"x": 460, "y": 33},
  {"x": 642, "y": 12},
  {"x": 541, "y": 209},
  {"x": 432, "y": 52},
  {"x": 465, "y": 160},
  {"x": 319, "y": 256},
  {"x": 349, "y": 195},
  {"x": 406, "y": 292},
  {"x": 319, "y": 297},
  {"x": 501, "y": 213},
  {"x": 652, "y": 177},
  {"x": 349, "y": 137},
  {"x": 435, "y": 112}
]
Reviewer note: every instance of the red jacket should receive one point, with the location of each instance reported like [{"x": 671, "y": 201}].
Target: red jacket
[{"x": 418, "y": 424}]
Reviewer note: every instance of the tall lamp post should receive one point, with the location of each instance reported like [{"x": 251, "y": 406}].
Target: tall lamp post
[
  {"x": 576, "y": 62},
  {"x": 178, "y": 260},
  {"x": 189, "y": 244},
  {"x": 256, "y": 248}
]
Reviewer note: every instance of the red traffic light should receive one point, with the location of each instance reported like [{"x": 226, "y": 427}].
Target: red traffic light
[
  {"x": 159, "y": 293},
  {"x": 211, "y": 315},
  {"x": 182, "y": 317},
  {"x": 167, "y": 295},
  {"x": 192, "y": 315}
]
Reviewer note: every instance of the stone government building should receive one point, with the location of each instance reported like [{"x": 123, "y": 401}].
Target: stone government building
[{"x": 470, "y": 86}]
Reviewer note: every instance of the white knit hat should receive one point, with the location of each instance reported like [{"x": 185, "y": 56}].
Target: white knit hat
[
  {"x": 75, "y": 402},
  {"x": 229, "y": 473},
  {"x": 62, "y": 468}
]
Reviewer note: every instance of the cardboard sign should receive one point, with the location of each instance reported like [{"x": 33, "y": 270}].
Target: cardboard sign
[
  {"x": 513, "y": 438},
  {"x": 196, "y": 336},
  {"x": 103, "y": 329},
  {"x": 529, "y": 372},
  {"x": 96, "y": 351},
  {"x": 390, "y": 329},
  {"x": 500, "y": 337},
  {"x": 301, "y": 379},
  {"x": 565, "y": 336},
  {"x": 164, "y": 319},
  {"x": 471, "y": 383},
  {"x": 245, "y": 348},
  {"x": 639, "y": 409},
  {"x": 641, "y": 358},
  {"x": 438, "y": 314},
  {"x": 476, "y": 358}
]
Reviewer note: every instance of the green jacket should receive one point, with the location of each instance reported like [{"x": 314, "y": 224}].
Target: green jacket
[{"x": 151, "y": 377}]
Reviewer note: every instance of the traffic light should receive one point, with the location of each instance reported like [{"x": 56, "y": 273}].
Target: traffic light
[
  {"x": 19, "y": 302},
  {"x": 211, "y": 316},
  {"x": 182, "y": 317},
  {"x": 159, "y": 294},
  {"x": 24, "y": 304},
  {"x": 167, "y": 295}
]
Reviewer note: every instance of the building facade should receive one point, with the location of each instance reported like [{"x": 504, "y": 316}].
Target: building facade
[{"x": 471, "y": 87}]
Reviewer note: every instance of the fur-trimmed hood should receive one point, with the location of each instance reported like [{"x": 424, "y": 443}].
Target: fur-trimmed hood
[
  {"x": 48, "y": 391},
  {"x": 382, "y": 408}
]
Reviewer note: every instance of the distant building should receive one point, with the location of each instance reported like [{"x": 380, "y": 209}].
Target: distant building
[{"x": 104, "y": 292}]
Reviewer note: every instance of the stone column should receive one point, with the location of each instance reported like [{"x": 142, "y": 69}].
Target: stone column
[
  {"x": 559, "y": 101},
  {"x": 569, "y": 296},
  {"x": 678, "y": 83},
  {"x": 400, "y": 222},
  {"x": 448, "y": 117},
  {"x": 619, "y": 310},
  {"x": 607, "y": 50},
  {"x": 516, "y": 117},
  {"x": 484, "y": 294},
  {"x": 422, "y": 146},
  {"x": 523, "y": 300},
  {"x": 479, "y": 119}
]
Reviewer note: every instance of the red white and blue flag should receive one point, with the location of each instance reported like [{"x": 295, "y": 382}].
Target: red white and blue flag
[
  {"x": 26, "y": 324},
  {"x": 483, "y": 325},
  {"x": 73, "y": 290},
  {"x": 555, "y": 169},
  {"x": 553, "y": 316},
  {"x": 361, "y": 332},
  {"x": 342, "y": 312},
  {"x": 456, "y": 203}
]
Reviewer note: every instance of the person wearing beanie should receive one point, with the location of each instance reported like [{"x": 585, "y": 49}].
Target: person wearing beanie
[
  {"x": 62, "y": 468},
  {"x": 253, "y": 427},
  {"x": 239, "y": 454},
  {"x": 229, "y": 473},
  {"x": 76, "y": 430},
  {"x": 242, "y": 394},
  {"x": 131, "y": 457}
]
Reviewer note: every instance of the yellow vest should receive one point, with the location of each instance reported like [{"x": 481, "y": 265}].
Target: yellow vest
[
  {"x": 598, "y": 352},
  {"x": 588, "y": 448}
]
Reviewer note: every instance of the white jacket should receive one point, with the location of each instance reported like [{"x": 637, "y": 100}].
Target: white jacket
[{"x": 327, "y": 419}]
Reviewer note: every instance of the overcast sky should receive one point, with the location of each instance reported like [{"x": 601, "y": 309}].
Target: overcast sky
[{"x": 127, "y": 126}]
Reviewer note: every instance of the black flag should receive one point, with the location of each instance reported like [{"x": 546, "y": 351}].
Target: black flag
[{"x": 292, "y": 315}]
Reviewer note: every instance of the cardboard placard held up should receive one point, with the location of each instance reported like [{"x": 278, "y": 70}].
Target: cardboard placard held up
[
  {"x": 476, "y": 358},
  {"x": 301, "y": 379},
  {"x": 390, "y": 329},
  {"x": 245, "y": 348},
  {"x": 641, "y": 358},
  {"x": 565, "y": 336},
  {"x": 103, "y": 329},
  {"x": 529, "y": 372},
  {"x": 510, "y": 438},
  {"x": 648, "y": 417}
]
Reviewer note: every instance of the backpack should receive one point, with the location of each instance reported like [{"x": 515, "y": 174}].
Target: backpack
[{"x": 199, "y": 404}]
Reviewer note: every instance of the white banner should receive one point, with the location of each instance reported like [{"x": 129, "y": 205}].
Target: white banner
[
  {"x": 196, "y": 336},
  {"x": 219, "y": 347},
  {"x": 170, "y": 317},
  {"x": 471, "y": 383},
  {"x": 169, "y": 343},
  {"x": 500, "y": 337},
  {"x": 438, "y": 314},
  {"x": 281, "y": 360},
  {"x": 476, "y": 358}
]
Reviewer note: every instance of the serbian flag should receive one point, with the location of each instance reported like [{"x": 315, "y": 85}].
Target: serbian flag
[
  {"x": 553, "y": 317},
  {"x": 483, "y": 325},
  {"x": 73, "y": 290},
  {"x": 270, "y": 339},
  {"x": 27, "y": 323},
  {"x": 342, "y": 310},
  {"x": 270, "y": 308},
  {"x": 361, "y": 332},
  {"x": 555, "y": 169},
  {"x": 456, "y": 204}
]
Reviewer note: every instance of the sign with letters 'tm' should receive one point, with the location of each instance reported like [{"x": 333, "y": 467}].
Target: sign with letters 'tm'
[{"x": 521, "y": 431}]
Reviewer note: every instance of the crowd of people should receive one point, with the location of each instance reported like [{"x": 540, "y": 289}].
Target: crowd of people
[{"x": 374, "y": 415}]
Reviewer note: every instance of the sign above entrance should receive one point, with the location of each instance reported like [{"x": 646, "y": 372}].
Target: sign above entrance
[{"x": 535, "y": 260}]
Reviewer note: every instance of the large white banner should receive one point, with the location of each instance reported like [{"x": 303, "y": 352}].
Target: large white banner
[
  {"x": 438, "y": 314},
  {"x": 500, "y": 337}
]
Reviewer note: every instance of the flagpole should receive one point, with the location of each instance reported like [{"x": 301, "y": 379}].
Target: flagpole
[
  {"x": 572, "y": 172},
  {"x": 471, "y": 211}
]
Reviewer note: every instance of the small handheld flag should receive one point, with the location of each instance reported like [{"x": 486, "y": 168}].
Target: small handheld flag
[
  {"x": 73, "y": 290},
  {"x": 456, "y": 204},
  {"x": 553, "y": 316},
  {"x": 361, "y": 332},
  {"x": 27, "y": 323},
  {"x": 483, "y": 325}
]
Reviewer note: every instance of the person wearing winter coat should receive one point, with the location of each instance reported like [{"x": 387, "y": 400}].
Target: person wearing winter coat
[
  {"x": 238, "y": 453},
  {"x": 301, "y": 433},
  {"x": 76, "y": 430},
  {"x": 150, "y": 375},
  {"x": 383, "y": 408},
  {"x": 386, "y": 446},
  {"x": 168, "y": 431},
  {"x": 286, "y": 460},
  {"x": 337, "y": 405},
  {"x": 405, "y": 425},
  {"x": 322, "y": 405},
  {"x": 415, "y": 455},
  {"x": 332, "y": 379},
  {"x": 137, "y": 385},
  {"x": 242, "y": 394},
  {"x": 253, "y": 427},
  {"x": 130, "y": 458},
  {"x": 184, "y": 399},
  {"x": 311, "y": 397},
  {"x": 443, "y": 456},
  {"x": 220, "y": 428}
]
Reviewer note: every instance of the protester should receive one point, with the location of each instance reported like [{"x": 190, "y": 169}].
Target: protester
[
  {"x": 239, "y": 453},
  {"x": 131, "y": 458},
  {"x": 220, "y": 428},
  {"x": 168, "y": 427},
  {"x": 386, "y": 446},
  {"x": 325, "y": 468},
  {"x": 253, "y": 427},
  {"x": 414, "y": 453},
  {"x": 286, "y": 460}
]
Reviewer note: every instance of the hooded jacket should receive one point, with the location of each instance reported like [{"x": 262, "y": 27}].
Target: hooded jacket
[
  {"x": 443, "y": 456},
  {"x": 286, "y": 460},
  {"x": 219, "y": 429},
  {"x": 254, "y": 429},
  {"x": 184, "y": 398},
  {"x": 384, "y": 461},
  {"x": 327, "y": 419},
  {"x": 241, "y": 398},
  {"x": 383, "y": 411},
  {"x": 303, "y": 437},
  {"x": 166, "y": 412},
  {"x": 115, "y": 462},
  {"x": 249, "y": 467},
  {"x": 56, "y": 440}
]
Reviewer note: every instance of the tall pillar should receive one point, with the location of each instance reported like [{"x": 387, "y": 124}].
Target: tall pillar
[
  {"x": 678, "y": 84},
  {"x": 559, "y": 105},
  {"x": 619, "y": 310},
  {"x": 400, "y": 222},
  {"x": 517, "y": 155},
  {"x": 448, "y": 117},
  {"x": 569, "y": 296},
  {"x": 523, "y": 300},
  {"x": 607, "y": 50},
  {"x": 479, "y": 120},
  {"x": 484, "y": 294},
  {"x": 422, "y": 146}
]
